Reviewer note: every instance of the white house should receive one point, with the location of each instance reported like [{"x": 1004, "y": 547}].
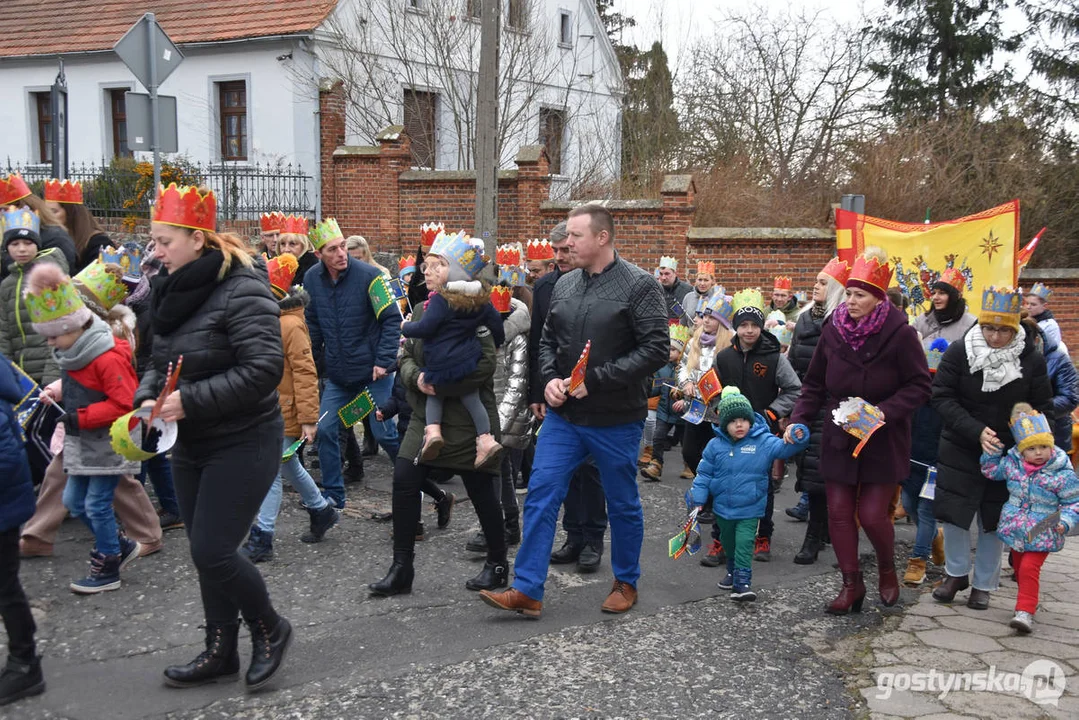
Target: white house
[{"x": 247, "y": 89}]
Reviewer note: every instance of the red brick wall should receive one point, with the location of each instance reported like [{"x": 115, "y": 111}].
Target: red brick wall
[{"x": 752, "y": 257}]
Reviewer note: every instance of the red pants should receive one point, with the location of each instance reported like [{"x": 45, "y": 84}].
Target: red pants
[
  {"x": 865, "y": 504},
  {"x": 1028, "y": 570}
]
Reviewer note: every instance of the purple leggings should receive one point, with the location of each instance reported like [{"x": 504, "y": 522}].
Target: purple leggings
[{"x": 870, "y": 502}]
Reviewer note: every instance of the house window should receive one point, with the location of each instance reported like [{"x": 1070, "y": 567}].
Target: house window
[
  {"x": 420, "y": 126},
  {"x": 43, "y": 106},
  {"x": 474, "y": 8},
  {"x": 516, "y": 14},
  {"x": 552, "y": 129},
  {"x": 565, "y": 28},
  {"x": 232, "y": 110},
  {"x": 118, "y": 112}
]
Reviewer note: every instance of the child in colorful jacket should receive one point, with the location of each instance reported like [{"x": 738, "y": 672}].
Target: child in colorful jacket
[
  {"x": 1041, "y": 483},
  {"x": 735, "y": 470}
]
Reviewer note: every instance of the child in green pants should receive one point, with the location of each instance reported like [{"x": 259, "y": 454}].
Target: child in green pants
[{"x": 734, "y": 470}]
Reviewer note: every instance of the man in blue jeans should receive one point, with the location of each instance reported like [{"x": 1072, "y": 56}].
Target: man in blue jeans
[
  {"x": 357, "y": 333},
  {"x": 621, "y": 310}
]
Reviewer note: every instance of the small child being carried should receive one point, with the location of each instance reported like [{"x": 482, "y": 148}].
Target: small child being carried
[
  {"x": 1043, "y": 503},
  {"x": 735, "y": 471},
  {"x": 456, "y": 309}
]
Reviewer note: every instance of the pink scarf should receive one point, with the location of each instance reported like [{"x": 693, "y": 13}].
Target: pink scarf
[{"x": 856, "y": 332}]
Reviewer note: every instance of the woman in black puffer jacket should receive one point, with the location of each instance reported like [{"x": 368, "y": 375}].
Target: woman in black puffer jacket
[
  {"x": 828, "y": 292},
  {"x": 213, "y": 308}
]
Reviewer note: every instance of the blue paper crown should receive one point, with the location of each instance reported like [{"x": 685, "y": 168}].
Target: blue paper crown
[
  {"x": 719, "y": 307},
  {"x": 1026, "y": 426},
  {"x": 21, "y": 219},
  {"x": 512, "y": 276},
  {"x": 461, "y": 249},
  {"x": 1041, "y": 290},
  {"x": 1001, "y": 301},
  {"x": 128, "y": 257}
]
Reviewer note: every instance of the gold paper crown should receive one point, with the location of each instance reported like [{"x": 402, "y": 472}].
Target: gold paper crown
[
  {"x": 324, "y": 232},
  {"x": 706, "y": 267},
  {"x": 101, "y": 286}
]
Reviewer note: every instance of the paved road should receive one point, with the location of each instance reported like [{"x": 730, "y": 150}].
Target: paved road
[{"x": 685, "y": 650}]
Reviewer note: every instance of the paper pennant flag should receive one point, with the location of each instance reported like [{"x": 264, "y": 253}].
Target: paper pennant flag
[
  {"x": 1049, "y": 521},
  {"x": 360, "y": 407},
  {"x": 292, "y": 450},
  {"x": 675, "y": 544},
  {"x": 380, "y": 294},
  {"x": 29, "y": 393},
  {"x": 576, "y": 378},
  {"x": 660, "y": 383},
  {"x": 398, "y": 288},
  {"x": 677, "y": 310},
  {"x": 709, "y": 385},
  {"x": 688, "y": 539},
  {"x": 696, "y": 412}
]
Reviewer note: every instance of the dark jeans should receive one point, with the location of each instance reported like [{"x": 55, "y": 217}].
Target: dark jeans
[
  {"x": 220, "y": 487},
  {"x": 14, "y": 608},
  {"x": 504, "y": 487},
  {"x": 408, "y": 479},
  {"x": 585, "y": 515},
  {"x": 694, "y": 439},
  {"x": 159, "y": 470},
  {"x": 665, "y": 437}
]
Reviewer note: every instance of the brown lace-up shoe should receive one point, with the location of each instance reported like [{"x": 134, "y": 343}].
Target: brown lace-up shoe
[{"x": 623, "y": 596}]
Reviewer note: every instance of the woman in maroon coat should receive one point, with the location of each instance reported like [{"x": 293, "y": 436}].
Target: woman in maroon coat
[{"x": 866, "y": 350}]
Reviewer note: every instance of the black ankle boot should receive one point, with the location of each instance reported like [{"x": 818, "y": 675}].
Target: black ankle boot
[
  {"x": 20, "y": 679},
  {"x": 269, "y": 642},
  {"x": 812, "y": 544},
  {"x": 494, "y": 575},
  {"x": 398, "y": 580},
  {"x": 219, "y": 662},
  {"x": 321, "y": 522}
]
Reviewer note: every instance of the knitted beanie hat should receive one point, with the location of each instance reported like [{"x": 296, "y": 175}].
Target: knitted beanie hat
[{"x": 733, "y": 405}]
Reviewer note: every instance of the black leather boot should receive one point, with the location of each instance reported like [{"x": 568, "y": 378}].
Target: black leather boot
[
  {"x": 20, "y": 679},
  {"x": 946, "y": 591},
  {"x": 812, "y": 544},
  {"x": 398, "y": 580},
  {"x": 219, "y": 662},
  {"x": 269, "y": 643},
  {"x": 494, "y": 575}
]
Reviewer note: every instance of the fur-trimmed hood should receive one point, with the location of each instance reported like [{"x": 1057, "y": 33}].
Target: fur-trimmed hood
[
  {"x": 468, "y": 297},
  {"x": 297, "y": 298}
]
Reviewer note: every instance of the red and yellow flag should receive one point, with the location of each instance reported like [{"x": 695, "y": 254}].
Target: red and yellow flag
[{"x": 983, "y": 247}]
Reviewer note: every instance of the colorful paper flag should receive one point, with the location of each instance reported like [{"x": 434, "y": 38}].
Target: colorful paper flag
[
  {"x": 983, "y": 247},
  {"x": 688, "y": 539},
  {"x": 1049, "y": 521},
  {"x": 1023, "y": 256},
  {"x": 709, "y": 385},
  {"x": 696, "y": 412},
  {"x": 292, "y": 450},
  {"x": 380, "y": 294},
  {"x": 30, "y": 394},
  {"x": 359, "y": 408},
  {"x": 576, "y": 378}
]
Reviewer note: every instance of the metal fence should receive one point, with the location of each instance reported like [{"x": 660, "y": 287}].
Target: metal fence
[{"x": 123, "y": 188}]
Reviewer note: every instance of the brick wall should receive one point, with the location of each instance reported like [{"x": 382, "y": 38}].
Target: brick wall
[{"x": 752, "y": 257}]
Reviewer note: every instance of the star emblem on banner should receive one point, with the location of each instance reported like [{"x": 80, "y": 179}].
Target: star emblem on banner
[{"x": 990, "y": 245}]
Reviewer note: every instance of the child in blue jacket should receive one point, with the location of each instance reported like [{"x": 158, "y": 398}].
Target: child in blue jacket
[
  {"x": 1041, "y": 482},
  {"x": 735, "y": 471},
  {"x": 21, "y": 676}
]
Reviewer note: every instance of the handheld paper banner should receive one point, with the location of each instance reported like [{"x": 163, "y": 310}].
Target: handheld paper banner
[
  {"x": 696, "y": 412},
  {"x": 859, "y": 419},
  {"x": 132, "y": 441},
  {"x": 292, "y": 450},
  {"x": 576, "y": 378},
  {"x": 29, "y": 392},
  {"x": 929, "y": 487},
  {"x": 709, "y": 385},
  {"x": 1049, "y": 521},
  {"x": 359, "y": 408},
  {"x": 380, "y": 294}
]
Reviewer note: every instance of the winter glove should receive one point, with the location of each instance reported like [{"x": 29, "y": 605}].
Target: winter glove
[{"x": 70, "y": 421}]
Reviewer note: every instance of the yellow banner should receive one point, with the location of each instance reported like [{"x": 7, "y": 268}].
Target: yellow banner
[{"x": 983, "y": 247}]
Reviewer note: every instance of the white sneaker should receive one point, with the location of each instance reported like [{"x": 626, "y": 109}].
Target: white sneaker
[{"x": 1023, "y": 621}]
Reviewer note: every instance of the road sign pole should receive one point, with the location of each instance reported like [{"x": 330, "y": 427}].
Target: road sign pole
[{"x": 155, "y": 129}]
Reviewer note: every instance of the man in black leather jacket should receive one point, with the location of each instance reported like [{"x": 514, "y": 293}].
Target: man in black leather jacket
[
  {"x": 585, "y": 516},
  {"x": 616, "y": 312}
]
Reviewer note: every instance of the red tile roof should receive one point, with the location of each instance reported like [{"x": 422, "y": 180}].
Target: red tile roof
[{"x": 50, "y": 27}]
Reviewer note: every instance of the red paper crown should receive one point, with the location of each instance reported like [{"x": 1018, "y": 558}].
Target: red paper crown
[
  {"x": 539, "y": 250},
  {"x": 508, "y": 255},
  {"x": 294, "y": 225},
  {"x": 838, "y": 270},
  {"x": 282, "y": 270},
  {"x": 428, "y": 233},
  {"x": 408, "y": 261},
  {"x": 63, "y": 191},
  {"x": 706, "y": 267},
  {"x": 872, "y": 272},
  {"x": 184, "y": 206},
  {"x": 954, "y": 278},
  {"x": 783, "y": 282},
  {"x": 12, "y": 188},
  {"x": 272, "y": 222},
  {"x": 500, "y": 298}
]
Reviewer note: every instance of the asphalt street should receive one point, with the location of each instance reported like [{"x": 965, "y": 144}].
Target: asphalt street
[{"x": 686, "y": 650}]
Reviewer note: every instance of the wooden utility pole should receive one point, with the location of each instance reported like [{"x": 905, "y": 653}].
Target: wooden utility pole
[{"x": 487, "y": 129}]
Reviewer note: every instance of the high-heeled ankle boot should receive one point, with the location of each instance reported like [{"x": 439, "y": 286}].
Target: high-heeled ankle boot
[
  {"x": 398, "y": 580},
  {"x": 219, "y": 662},
  {"x": 269, "y": 643},
  {"x": 888, "y": 582},
  {"x": 850, "y": 597},
  {"x": 812, "y": 544}
]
